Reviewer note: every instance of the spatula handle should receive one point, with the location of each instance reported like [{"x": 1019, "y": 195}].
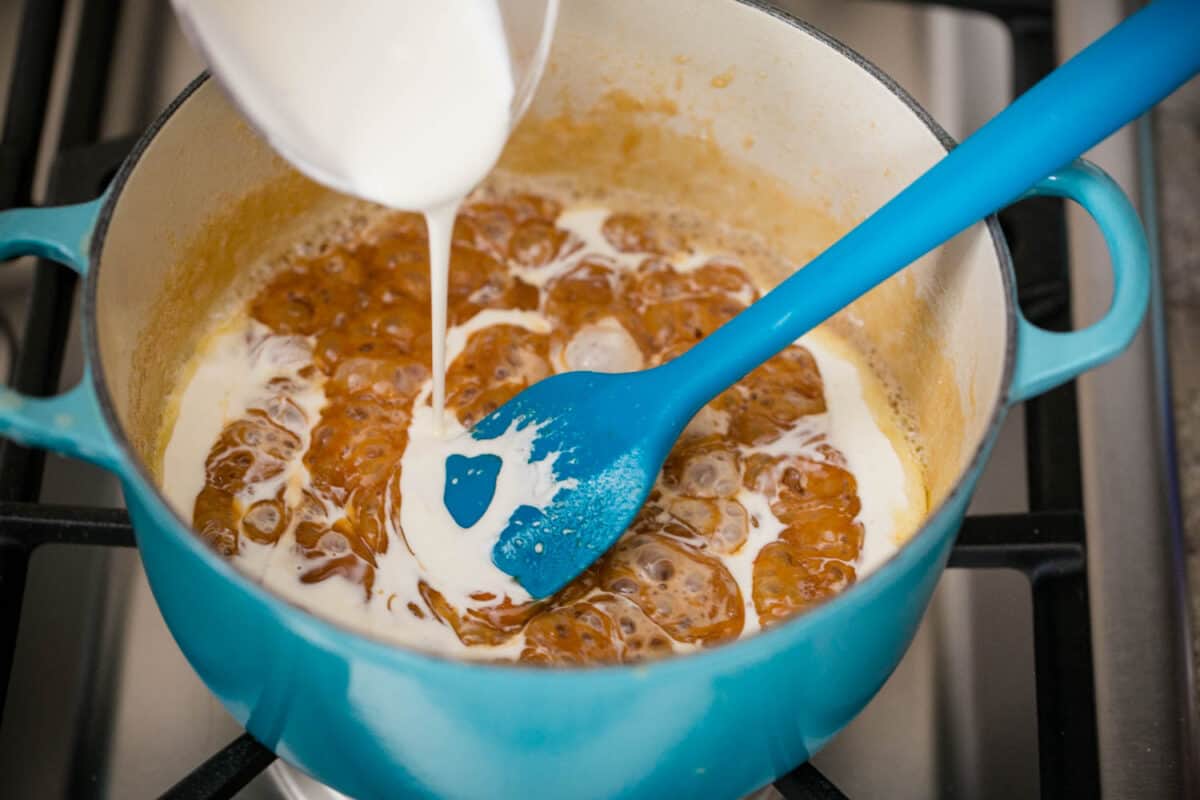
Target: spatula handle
[{"x": 1107, "y": 85}]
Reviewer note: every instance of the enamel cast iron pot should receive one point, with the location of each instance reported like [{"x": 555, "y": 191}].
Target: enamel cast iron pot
[{"x": 376, "y": 720}]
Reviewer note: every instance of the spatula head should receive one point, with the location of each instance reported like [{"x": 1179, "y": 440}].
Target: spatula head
[{"x": 609, "y": 435}]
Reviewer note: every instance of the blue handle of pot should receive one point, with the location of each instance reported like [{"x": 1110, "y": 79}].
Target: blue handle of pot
[
  {"x": 1046, "y": 359},
  {"x": 70, "y": 423}
]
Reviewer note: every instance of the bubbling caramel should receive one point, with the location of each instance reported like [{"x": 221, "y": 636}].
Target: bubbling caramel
[{"x": 754, "y": 481}]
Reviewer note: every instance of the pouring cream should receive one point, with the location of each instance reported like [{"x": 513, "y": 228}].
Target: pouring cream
[{"x": 406, "y": 103}]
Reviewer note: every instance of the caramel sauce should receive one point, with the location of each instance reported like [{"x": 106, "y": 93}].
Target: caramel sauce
[{"x": 664, "y": 587}]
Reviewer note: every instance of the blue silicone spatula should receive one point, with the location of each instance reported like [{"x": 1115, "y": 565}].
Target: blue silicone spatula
[{"x": 613, "y": 431}]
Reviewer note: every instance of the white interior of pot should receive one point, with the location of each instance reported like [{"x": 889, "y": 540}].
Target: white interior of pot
[{"x": 773, "y": 97}]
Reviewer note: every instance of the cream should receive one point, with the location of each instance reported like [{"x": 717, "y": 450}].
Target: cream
[
  {"x": 439, "y": 222},
  {"x": 461, "y": 559},
  {"x": 851, "y": 426},
  {"x": 456, "y": 337},
  {"x": 231, "y": 373}
]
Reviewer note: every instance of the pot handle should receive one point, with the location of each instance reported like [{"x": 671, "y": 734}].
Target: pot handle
[
  {"x": 70, "y": 423},
  {"x": 1046, "y": 359}
]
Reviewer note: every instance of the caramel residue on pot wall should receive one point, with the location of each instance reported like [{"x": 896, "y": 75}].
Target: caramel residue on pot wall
[{"x": 723, "y": 80}]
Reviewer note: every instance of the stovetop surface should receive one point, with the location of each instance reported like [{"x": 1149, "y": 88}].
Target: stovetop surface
[{"x": 102, "y": 703}]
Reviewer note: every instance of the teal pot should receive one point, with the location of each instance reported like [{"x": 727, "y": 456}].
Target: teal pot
[{"x": 376, "y": 720}]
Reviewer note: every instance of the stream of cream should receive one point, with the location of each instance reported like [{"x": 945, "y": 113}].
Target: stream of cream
[{"x": 439, "y": 223}]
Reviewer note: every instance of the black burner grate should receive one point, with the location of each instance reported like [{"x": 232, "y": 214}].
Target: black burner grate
[
  {"x": 1046, "y": 545},
  {"x": 38, "y": 362}
]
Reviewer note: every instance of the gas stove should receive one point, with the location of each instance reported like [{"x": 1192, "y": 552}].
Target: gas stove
[{"x": 1052, "y": 662}]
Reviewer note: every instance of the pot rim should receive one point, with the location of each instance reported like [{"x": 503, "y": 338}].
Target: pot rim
[{"x": 135, "y": 470}]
